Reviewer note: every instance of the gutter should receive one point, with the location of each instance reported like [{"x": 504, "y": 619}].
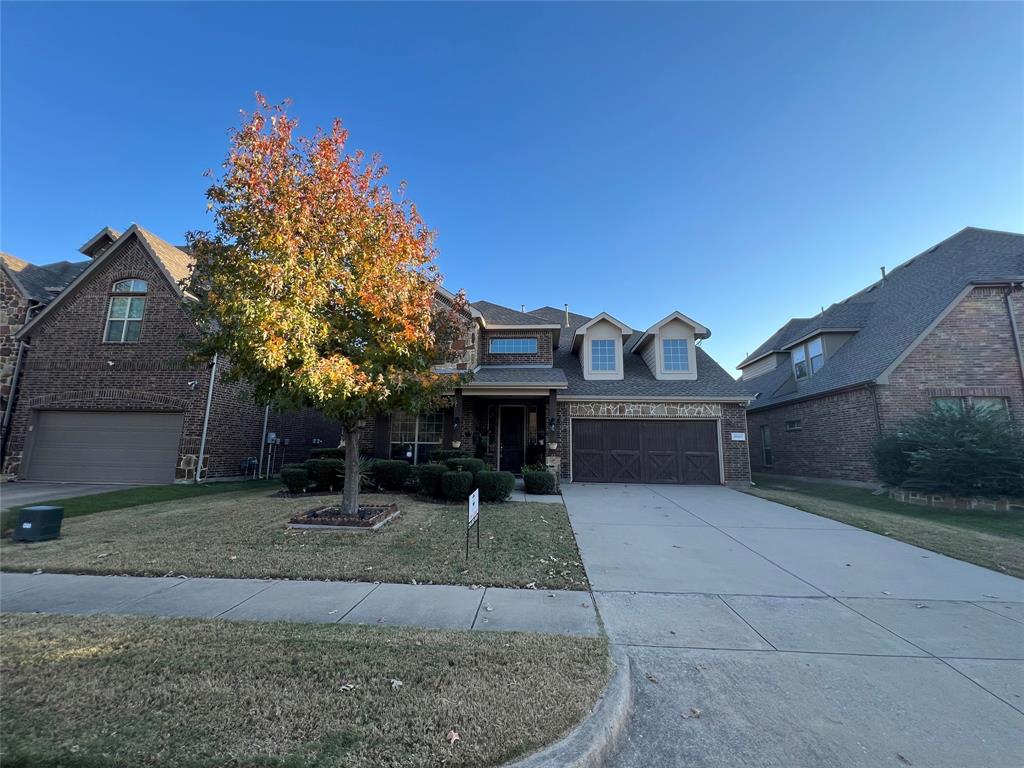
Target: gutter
[
  {"x": 814, "y": 396},
  {"x": 1014, "y": 329}
]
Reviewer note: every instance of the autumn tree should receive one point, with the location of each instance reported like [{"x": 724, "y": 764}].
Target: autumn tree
[{"x": 318, "y": 283}]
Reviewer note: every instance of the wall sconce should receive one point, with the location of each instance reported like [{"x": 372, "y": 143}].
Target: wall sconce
[
  {"x": 456, "y": 424},
  {"x": 553, "y": 424}
]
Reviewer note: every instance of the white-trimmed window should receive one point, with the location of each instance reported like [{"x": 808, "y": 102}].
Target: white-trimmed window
[
  {"x": 414, "y": 438},
  {"x": 808, "y": 359},
  {"x": 513, "y": 346},
  {"x": 816, "y": 353},
  {"x": 124, "y": 315},
  {"x": 675, "y": 355},
  {"x": 602, "y": 355}
]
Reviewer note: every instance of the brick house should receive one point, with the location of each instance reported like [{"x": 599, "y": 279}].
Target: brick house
[
  {"x": 106, "y": 391},
  {"x": 590, "y": 397},
  {"x": 943, "y": 329}
]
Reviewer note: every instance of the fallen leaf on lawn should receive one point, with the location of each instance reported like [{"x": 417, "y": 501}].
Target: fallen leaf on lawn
[
  {"x": 414, "y": 582},
  {"x": 37, "y": 571},
  {"x": 346, "y": 687},
  {"x": 651, "y": 677},
  {"x": 233, "y": 557},
  {"x": 532, "y": 585},
  {"x": 453, "y": 736},
  {"x": 476, "y": 586},
  {"x": 395, "y": 683},
  {"x": 902, "y": 759},
  {"x": 103, "y": 554},
  {"x": 693, "y": 714}
]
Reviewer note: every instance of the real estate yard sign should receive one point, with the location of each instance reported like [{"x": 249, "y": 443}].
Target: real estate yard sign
[{"x": 474, "y": 519}]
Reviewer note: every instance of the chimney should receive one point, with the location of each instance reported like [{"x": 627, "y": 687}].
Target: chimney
[
  {"x": 566, "y": 315},
  {"x": 883, "y": 272}
]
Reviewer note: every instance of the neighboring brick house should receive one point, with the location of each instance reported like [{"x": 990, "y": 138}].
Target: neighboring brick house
[
  {"x": 107, "y": 392},
  {"x": 592, "y": 398},
  {"x": 943, "y": 329}
]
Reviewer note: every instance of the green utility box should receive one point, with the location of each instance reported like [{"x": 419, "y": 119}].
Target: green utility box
[{"x": 38, "y": 523}]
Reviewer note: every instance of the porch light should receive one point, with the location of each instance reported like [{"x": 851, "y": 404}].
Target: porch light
[
  {"x": 456, "y": 425},
  {"x": 552, "y": 424}
]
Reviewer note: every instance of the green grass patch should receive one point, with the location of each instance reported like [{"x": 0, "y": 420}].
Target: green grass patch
[
  {"x": 244, "y": 535},
  {"x": 115, "y": 691},
  {"x": 990, "y": 539},
  {"x": 134, "y": 497}
]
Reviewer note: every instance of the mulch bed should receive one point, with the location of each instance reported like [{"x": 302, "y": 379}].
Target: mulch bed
[{"x": 368, "y": 516}]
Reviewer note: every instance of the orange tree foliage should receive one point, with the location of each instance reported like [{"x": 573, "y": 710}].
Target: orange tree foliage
[{"x": 318, "y": 283}]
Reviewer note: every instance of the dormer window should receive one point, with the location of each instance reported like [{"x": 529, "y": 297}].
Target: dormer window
[
  {"x": 808, "y": 359},
  {"x": 124, "y": 315},
  {"x": 675, "y": 355},
  {"x": 602, "y": 355}
]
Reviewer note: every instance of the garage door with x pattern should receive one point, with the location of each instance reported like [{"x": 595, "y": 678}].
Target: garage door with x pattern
[{"x": 645, "y": 451}]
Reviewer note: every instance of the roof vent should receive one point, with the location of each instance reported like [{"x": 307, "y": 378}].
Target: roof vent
[
  {"x": 566, "y": 315},
  {"x": 883, "y": 272}
]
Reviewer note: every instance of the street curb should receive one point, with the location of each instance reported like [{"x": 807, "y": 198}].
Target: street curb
[{"x": 591, "y": 743}]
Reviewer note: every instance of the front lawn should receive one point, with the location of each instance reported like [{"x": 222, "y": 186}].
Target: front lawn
[
  {"x": 119, "y": 691},
  {"x": 991, "y": 539},
  {"x": 134, "y": 497},
  {"x": 243, "y": 535}
]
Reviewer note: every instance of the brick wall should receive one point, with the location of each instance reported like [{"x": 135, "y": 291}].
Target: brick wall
[
  {"x": 733, "y": 418},
  {"x": 834, "y": 440},
  {"x": 13, "y": 307},
  {"x": 542, "y": 357},
  {"x": 71, "y": 367},
  {"x": 971, "y": 352}
]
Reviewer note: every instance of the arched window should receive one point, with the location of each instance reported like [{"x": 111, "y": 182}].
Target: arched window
[{"x": 124, "y": 317}]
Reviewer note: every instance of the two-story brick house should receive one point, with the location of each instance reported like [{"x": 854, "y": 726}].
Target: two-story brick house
[
  {"x": 942, "y": 329},
  {"x": 106, "y": 391},
  {"x": 589, "y": 396}
]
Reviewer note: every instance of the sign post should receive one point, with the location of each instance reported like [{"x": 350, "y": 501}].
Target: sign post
[{"x": 474, "y": 519}]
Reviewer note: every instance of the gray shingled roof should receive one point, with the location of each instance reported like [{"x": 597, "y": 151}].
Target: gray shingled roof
[
  {"x": 525, "y": 376},
  {"x": 638, "y": 382},
  {"x": 891, "y": 313},
  {"x": 37, "y": 278},
  {"x": 495, "y": 314}
]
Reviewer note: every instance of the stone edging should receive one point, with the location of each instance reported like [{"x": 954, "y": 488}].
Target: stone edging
[{"x": 591, "y": 743}]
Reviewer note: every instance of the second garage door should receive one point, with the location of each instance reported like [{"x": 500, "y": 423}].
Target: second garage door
[
  {"x": 104, "y": 447},
  {"x": 645, "y": 451}
]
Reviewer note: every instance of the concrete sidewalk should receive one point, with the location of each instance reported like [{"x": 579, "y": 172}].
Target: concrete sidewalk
[{"x": 420, "y": 605}]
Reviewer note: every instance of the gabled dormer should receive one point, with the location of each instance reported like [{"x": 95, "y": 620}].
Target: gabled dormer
[
  {"x": 599, "y": 344},
  {"x": 669, "y": 347}
]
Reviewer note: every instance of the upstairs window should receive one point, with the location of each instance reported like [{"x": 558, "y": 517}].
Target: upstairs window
[
  {"x": 526, "y": 346},
  {"x": 602, "y": 355},
  {"x": 675, "y": 355},
  {"x": 124, "y": 316},
  {"x": 808, "y": 359}
]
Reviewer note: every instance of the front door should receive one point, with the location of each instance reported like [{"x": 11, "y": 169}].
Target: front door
[{"x": 511, "y": 438}]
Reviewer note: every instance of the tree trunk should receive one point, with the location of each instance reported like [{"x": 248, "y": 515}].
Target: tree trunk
[{"x": 350, "y": 495}]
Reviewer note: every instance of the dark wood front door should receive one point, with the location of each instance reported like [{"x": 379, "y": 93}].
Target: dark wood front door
[
  {"x": 645, "y": 451},
  {"x": 511, "y": 438}
]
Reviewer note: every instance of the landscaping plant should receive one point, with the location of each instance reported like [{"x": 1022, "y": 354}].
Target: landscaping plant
[
  {"x": 969, "y": 452},
  {"x": 456, "y": 486},
  {"x": 391, "y": 475},
  {"x": 318, "y": 282},
  {"x": 442, "y": 456},
  {"x": 428, "y": 478},
  {"x": 466, "y": 464},
  {"x": 326, "y": 474},
  {"x": 494, "y": 486},
  {"x": 295, "y": 477},
  {"x": 327, "y": 453},
  {"x": 538, "y": 480}
]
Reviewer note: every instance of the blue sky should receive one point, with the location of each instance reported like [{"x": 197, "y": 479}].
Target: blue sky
[{"x": 742, "y": 163}]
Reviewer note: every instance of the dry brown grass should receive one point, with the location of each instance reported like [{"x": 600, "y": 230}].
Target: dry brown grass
[
  {"x": 243, "y": 535},
  {"x": 128, "y": 691}
]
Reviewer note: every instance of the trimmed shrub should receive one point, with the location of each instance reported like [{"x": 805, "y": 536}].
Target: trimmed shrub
[
  {"x": 466, "y": 464},
  {"x": 391, "y": 475},
  {"x": 442, "y": 456},
  {"x": 456, "y": 485},
  {"x": 890, "y": 453},
  {"x": 295, "y": 477},
  {"x": 327, "y": 453},
  {"x": 538, "y": 481},
  {"x": 428, "y": 478},
  {"x": 326, "y": 474},
  {"x": 494, "y": 486}
]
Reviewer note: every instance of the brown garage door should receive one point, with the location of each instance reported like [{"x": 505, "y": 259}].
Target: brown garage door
[
  {"x": 90, "y": 446},
  {"x": 638, "y": 451}
]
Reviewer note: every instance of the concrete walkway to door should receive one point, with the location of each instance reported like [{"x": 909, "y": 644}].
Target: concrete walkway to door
[{"x": 803, "y": 642}]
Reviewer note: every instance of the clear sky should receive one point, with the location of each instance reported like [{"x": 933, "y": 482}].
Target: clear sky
[{"x": 742, "y": 163}]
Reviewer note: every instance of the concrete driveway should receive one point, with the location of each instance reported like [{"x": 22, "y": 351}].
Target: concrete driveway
[
  {"x": 802, "y": 641},
  {"x": 31, "y": 492}
]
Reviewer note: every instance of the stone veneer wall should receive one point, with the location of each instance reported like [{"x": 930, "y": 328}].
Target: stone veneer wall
[
  {"x": 13, "y": 307},
  {"x": 733, "y": 417}
]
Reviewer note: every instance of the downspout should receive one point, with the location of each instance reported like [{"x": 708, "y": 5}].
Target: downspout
[
  {"x": 263, "y": 442},
  {"x": 1014, "y": 330},
  {"x": 206, "y": 418}
]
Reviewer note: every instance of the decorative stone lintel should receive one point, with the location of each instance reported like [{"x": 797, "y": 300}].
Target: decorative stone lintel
[{"x": 645, "y": 410}]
